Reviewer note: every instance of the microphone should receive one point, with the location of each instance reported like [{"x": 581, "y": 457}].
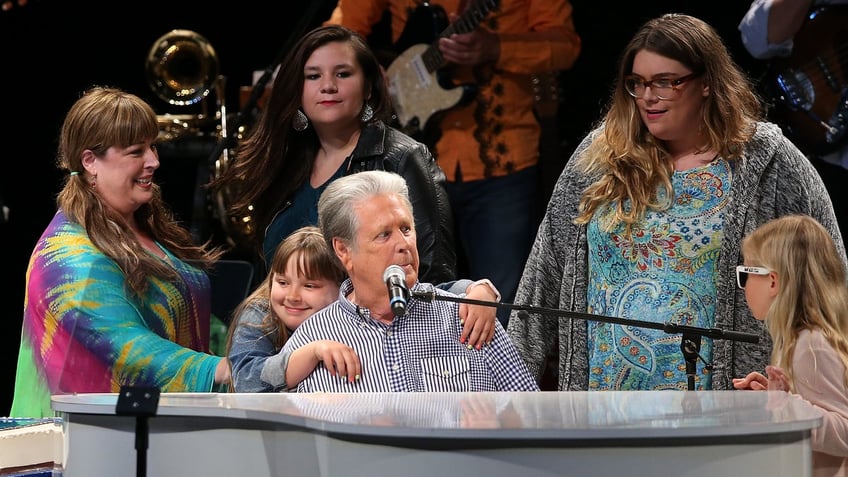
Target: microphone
[{"x": 395, "y": 279}]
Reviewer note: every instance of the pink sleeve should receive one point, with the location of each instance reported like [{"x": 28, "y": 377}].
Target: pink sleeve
[{"x": 819, "y": 377}]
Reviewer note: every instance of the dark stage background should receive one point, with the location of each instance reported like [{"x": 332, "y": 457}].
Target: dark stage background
[{"x": 52, "y": 50}]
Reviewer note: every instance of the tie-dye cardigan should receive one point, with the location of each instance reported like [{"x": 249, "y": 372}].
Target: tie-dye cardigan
[{"x": 83, "y": 331}]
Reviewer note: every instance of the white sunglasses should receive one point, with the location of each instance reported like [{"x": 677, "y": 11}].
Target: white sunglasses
[{"x": 742, "y": 272}]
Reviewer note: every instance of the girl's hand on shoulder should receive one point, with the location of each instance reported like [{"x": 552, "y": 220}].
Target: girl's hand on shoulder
[
  {"x": 478, "y": 320},
  {"x": 339, "y": 358},
  {"x": 752, "y": 382}
]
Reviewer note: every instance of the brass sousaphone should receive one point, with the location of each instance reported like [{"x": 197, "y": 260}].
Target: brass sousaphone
[{"x": 182, "y": 69}]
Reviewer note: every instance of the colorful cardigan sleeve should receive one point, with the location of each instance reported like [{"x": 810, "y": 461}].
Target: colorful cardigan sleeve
[{"x": 84, "y": 332}]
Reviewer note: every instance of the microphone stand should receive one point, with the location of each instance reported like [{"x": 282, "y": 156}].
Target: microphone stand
[
  {"x": 141, "y": 402},
  {"x": 690, "y": 343}
]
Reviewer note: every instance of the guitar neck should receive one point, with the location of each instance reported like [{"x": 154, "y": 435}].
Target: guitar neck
[{"x": 466, "y": 23}]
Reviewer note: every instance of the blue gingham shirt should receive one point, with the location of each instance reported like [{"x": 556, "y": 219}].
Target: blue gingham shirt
[{"x": 419, "y": 351}]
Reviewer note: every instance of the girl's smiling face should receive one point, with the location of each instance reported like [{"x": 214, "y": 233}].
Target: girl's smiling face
[{"x": 294, "y": 297}]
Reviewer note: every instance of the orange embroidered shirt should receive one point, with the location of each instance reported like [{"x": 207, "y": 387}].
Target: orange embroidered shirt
[{"x": 496, "y": 133}]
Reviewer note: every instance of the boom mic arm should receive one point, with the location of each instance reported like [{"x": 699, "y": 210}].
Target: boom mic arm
[{"x": 670, "y": 328}]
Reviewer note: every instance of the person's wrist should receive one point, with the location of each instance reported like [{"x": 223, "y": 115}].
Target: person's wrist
[{"x": 489, "y": 284}]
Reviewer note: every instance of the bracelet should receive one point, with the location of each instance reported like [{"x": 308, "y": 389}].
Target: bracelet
[{"x": 488, "y": 283}]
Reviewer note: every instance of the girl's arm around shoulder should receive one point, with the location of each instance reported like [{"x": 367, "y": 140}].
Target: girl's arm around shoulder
[
  {"x": 339, "y": 359},
  {"x": 251, "y": 351}
]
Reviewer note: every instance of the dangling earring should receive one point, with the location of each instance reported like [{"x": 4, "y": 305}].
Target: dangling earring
[
  {"x": 93, "y": 182},
  {"x": 300, "y": 121},
  {"x": 367, "y": 113}
]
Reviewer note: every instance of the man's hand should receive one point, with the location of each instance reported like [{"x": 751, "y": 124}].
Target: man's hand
[{"x": 474, "y": 48}]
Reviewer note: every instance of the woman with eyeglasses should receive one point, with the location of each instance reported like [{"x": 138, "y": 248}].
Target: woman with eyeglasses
[
  {"x": 647, "y": 218},
  {"x": 795, "y": 282}
]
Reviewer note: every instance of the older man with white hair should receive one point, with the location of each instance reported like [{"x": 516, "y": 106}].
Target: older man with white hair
[{"x": 366, "y": 218}]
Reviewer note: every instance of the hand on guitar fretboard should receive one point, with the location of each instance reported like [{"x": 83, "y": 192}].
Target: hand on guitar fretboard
[{"x": 418, "y": 88}]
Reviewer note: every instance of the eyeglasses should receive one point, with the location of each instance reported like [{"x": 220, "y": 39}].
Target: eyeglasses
[
  {"x": 742, "y": 272},
  {"x": 663, "y": 88}
]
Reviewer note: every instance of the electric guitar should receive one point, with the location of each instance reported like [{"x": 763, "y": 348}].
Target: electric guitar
[
  {"x": 418, "y": 88},
  {"x": 809, "y": 88}
]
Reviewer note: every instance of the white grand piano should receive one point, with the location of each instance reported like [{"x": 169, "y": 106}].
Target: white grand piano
[{"x": 684, "y": 433}]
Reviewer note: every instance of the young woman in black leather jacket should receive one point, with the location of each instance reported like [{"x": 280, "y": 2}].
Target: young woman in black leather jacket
[{"x": 319, "y": 125}]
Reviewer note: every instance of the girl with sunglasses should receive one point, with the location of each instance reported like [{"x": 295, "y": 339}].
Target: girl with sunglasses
[{"x": 794, "y": 280}]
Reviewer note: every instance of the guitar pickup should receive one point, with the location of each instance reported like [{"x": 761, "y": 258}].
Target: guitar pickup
[{"x": 421, "y": 72}]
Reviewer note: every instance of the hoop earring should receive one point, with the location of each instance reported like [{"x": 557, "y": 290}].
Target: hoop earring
[
  {"x": 300, "y": 121},
  {"x": 367, "y": 113}
]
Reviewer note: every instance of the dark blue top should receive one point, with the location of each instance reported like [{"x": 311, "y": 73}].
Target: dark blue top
[{"x": 300, "y": 212}]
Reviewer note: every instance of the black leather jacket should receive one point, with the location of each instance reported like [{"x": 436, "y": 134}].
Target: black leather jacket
[{"x": 383, "y": 148}]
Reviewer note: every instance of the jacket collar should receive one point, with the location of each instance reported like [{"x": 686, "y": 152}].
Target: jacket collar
[{"x": 371, "y": 142}]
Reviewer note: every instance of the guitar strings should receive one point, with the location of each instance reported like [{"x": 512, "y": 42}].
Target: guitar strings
[{"x": 838, "y": 58}]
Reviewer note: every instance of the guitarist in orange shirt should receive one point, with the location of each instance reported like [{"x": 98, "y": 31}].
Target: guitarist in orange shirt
[{"x": 462, "y": 84}]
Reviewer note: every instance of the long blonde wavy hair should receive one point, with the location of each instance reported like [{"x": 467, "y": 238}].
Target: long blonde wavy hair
[
  {"x": 632, "y": 163},
  {"x": 101, "y": 118},
  {"x": 812, "y": 292}
]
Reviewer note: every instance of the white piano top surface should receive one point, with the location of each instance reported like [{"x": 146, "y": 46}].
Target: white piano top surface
[
  {"x": 517, "y": 415},
  {"x": 525, "y": 415}
]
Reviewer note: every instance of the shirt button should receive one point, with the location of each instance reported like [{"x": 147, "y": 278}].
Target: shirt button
[
  {"x": 389, "y": 333},
  {"x": 446, "y": 374},
  {"x": 395, "y": 367}
]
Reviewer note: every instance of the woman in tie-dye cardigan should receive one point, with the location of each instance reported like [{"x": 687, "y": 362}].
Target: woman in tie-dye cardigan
[{"x": 110, "y": 300}]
